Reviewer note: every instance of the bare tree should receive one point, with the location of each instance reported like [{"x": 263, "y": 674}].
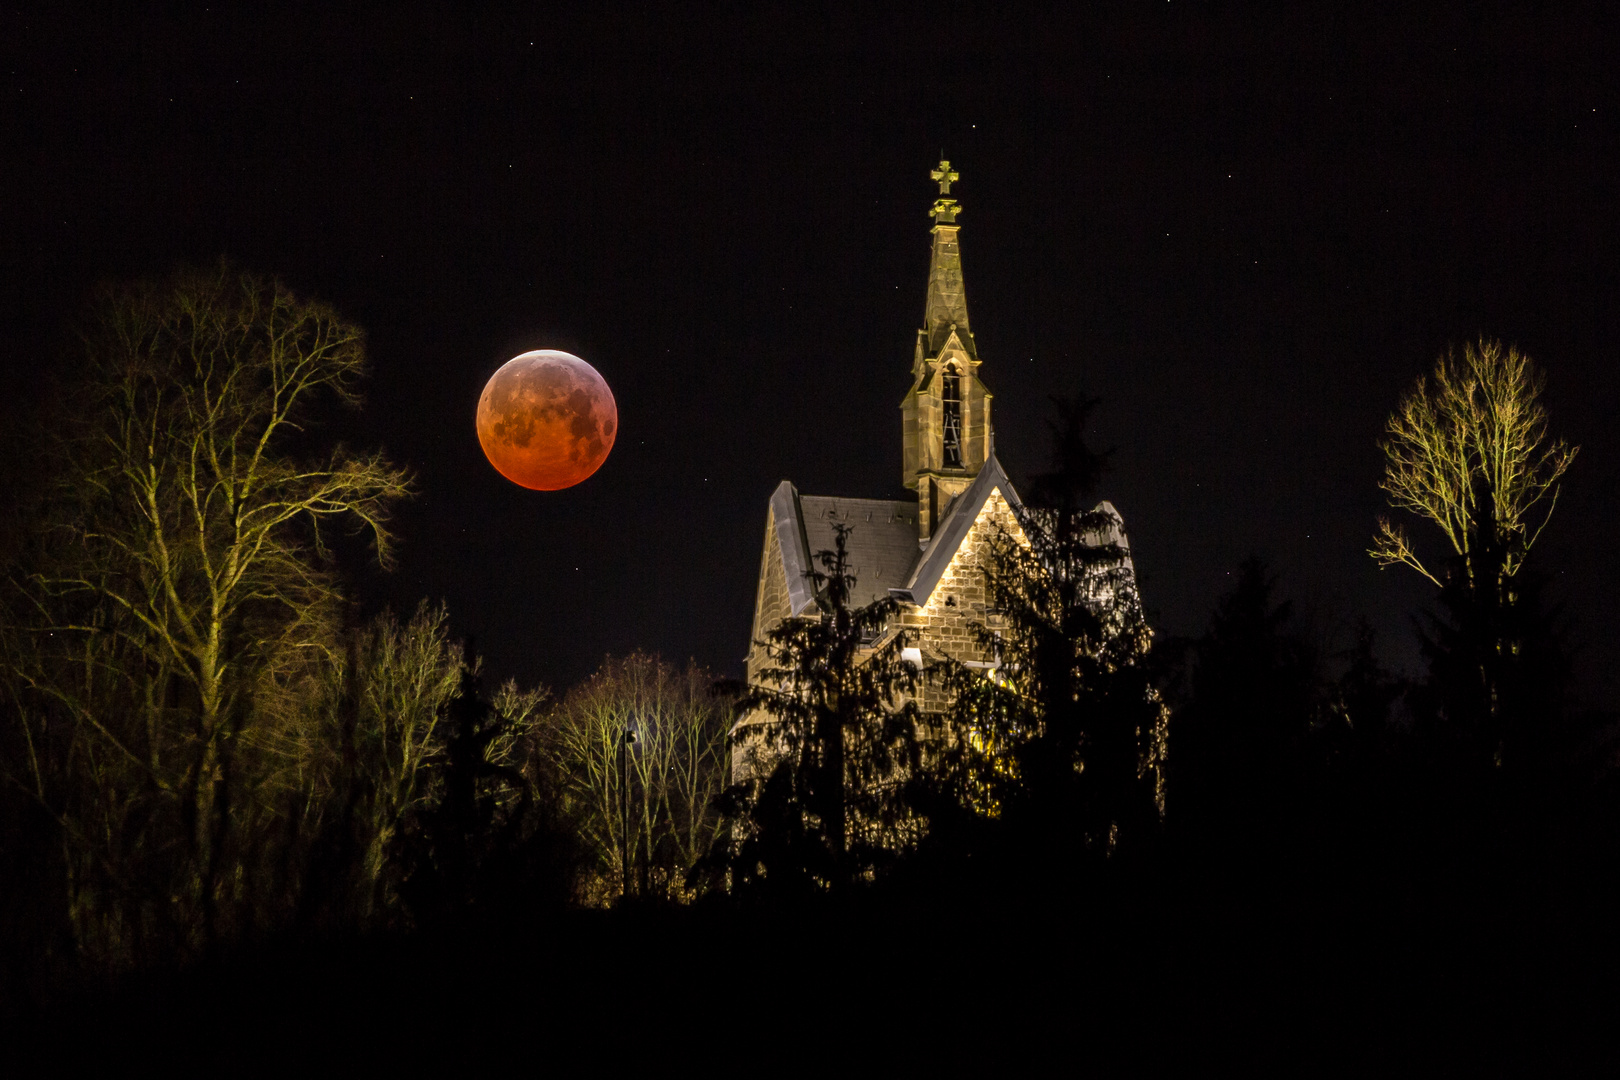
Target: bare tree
[
  {"x": 1468, "y": 450},
  {"x": 350, "y": 738},
  {"x": 181, "y": 565},
  {"x": 639, "y": 749}
]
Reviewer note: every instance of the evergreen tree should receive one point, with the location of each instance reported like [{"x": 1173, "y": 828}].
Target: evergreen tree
[
  {"x": 1364, "y": 701},
  {"x": 485, "y": 842},
  {"x": 1064, "y": 742},
  {"x": 839, "y": 742}
]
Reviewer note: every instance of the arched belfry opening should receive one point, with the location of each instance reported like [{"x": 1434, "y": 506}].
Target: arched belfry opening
[{"x": 950, "y": 398}]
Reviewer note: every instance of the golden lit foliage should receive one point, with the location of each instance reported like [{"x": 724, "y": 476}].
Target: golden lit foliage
[
  {"x": 353, "y": 731},
  {"x": 837, "y": 743},
  {"x": 1468, "y": 447}
]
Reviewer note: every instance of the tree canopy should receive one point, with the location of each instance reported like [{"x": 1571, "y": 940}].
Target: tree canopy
[{"x": 1468, "y": 450}]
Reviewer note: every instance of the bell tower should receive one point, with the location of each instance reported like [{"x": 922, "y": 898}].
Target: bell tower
[{"x": 946, "y": 414}]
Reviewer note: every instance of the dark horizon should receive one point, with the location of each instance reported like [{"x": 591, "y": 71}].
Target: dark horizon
[{"x": 1247, "y": 236}]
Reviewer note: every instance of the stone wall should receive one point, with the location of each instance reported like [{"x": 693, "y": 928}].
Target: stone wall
[{"x": 943, "y": 626}]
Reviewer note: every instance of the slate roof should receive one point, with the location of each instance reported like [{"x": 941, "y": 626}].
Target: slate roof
[
  {"x": 882, "y": 547},
  {"x": 884, "y": 555},
  {"x": 795, "y": 549},
  {"x": 882, "y": 544}
]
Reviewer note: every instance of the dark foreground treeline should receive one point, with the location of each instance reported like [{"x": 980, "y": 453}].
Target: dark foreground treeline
[
  {"x": 1341, "y": 869},
  {"x": 232, "y": 813}
]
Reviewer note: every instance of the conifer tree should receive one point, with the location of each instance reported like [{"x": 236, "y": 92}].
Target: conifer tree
[
  {"x": 840, "y": 741},
  {"x": 1066, "y": 739},
  {"x": 483, "y": 841}
]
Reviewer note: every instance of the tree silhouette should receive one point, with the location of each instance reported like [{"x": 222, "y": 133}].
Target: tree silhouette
[
  {"x": 823, "y": 809},
  {"x": 1498, "y": 670},
  {"x": 1065, "y": 739},
  {"x": 1255, "y": 693},
  {"x": 484, "y": 841}
]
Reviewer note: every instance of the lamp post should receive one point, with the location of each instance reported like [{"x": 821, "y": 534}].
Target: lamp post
[{"x": 625, "y": 740}]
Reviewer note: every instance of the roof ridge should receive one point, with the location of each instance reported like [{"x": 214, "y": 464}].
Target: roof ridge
[
  {"x": 857, "y": 498},
  {"x": 947, "y": 539}
]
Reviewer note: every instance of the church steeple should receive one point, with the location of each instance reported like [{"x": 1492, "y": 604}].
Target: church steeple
[
  {"x": 947, "y": 300},
  {"x": 946, "y": 415}
]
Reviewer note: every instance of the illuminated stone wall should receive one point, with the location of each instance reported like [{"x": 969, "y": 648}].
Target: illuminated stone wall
[{"x": 943, "y": 626}]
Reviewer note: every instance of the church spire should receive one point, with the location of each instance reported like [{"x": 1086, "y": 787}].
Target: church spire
[
  {"x": 945, "y": 418},
  {"x": 947, "y": 300}
]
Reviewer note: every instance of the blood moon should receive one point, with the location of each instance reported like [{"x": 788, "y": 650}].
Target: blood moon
[{"x": 547, "y": 420}]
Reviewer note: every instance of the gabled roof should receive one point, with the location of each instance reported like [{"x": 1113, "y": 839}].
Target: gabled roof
[
  {"x": 882, "y": 545},
  {"x": 1114, "y": 533},
  {"x": 947, "y": 539},
  {"x": 881, "y": 548}
]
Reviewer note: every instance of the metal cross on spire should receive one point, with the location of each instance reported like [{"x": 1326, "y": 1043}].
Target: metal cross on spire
[{"x": 945, "y": 177}]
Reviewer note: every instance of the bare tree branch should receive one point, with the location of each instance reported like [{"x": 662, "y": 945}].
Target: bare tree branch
[{"x": 1469, "y": 446}]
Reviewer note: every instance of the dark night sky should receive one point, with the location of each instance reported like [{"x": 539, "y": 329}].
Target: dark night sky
[{"x": 1246, "y": 235}]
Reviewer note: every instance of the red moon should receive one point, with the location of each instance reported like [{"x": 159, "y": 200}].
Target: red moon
[{"x": 547, "y": 420}]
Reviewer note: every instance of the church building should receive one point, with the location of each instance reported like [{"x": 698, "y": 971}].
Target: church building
[{"x": 926, "y": 552}]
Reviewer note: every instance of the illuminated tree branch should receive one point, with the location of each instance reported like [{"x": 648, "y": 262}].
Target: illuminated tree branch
[
  {"x": 1468, "y": 451},
  {"x": 183, "y": 563}
]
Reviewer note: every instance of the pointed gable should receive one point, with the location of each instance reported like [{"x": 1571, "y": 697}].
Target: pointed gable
[
  {"x": 960, "y": 517},
  {"x": 933, "y": 554}
]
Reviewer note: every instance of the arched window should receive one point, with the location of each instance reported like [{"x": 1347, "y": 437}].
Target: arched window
[{"x": 951, "y": 399}]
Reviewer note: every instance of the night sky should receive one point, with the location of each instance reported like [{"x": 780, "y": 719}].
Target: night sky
[{"x": 1246, "y": 234}]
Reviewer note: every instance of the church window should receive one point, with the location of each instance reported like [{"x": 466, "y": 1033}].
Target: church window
[{"x": 951, "y": 398}]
